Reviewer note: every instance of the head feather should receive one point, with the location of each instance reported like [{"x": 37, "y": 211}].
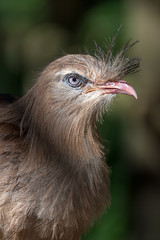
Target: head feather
[{"x": 119, "y": 65}]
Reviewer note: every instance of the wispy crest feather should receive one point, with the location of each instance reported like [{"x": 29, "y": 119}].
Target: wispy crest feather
[{"x": 119, "y": 64}]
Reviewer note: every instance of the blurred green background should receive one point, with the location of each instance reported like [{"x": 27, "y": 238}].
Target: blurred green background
[{"x": 35, "y": 32}]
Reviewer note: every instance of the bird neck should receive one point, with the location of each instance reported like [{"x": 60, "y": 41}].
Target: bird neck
[{"x": 50, "y": 130}]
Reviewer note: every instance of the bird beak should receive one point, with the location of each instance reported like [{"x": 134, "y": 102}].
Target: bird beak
[
  {"x": 115, "y": 87},
  {"x": 119, "y": 87}
]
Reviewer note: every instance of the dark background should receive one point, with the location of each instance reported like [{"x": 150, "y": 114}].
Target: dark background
[{"x": 35, "y": 32}]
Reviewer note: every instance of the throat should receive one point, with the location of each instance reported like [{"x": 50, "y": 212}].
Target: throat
[{"x": 82, "y": 143}]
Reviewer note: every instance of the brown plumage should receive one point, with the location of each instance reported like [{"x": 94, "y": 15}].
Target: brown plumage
[{"x": 53, "y": 177}]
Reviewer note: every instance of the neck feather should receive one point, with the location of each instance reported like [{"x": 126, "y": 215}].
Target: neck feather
[{"x": 66, "y": 151}]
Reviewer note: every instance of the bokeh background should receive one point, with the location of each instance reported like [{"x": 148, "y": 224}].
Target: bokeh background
[{"x": 35, "y": 32}]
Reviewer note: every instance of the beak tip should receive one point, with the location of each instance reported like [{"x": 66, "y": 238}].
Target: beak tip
[{"x": 134, "y": 94}]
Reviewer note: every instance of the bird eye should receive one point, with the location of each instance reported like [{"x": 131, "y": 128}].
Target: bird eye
[{"x": 74, "y": 81}]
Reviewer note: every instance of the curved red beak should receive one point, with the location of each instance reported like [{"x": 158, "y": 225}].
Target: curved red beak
[{"x": 119, "y": 86}]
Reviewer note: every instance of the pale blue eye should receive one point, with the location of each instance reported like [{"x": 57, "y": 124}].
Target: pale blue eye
[{"x": 74, "y": 81}]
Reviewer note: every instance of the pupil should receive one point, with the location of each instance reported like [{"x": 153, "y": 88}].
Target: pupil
[{"x": 74, "y": 79}]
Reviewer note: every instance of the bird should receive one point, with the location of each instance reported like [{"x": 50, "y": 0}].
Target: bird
[{"x": 54, "y": 179}]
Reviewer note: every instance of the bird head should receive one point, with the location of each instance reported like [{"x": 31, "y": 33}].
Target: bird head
[
  {"x": 84, "y": 82},
  {"x": 71, "y": 94}
]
